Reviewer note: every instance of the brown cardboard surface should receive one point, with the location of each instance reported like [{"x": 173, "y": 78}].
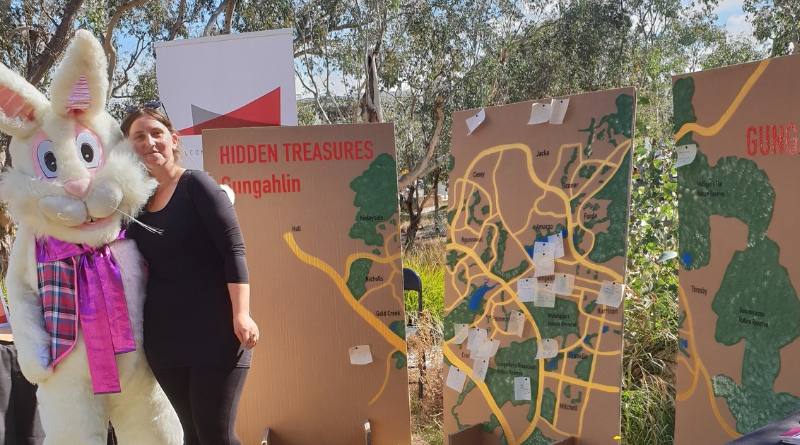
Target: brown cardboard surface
[
  {"x": 301, "y": 226},
  {"x": 738, "y": 250},
  {"x": 511, "y": 183},
  {"x": 468, "y": 436}
]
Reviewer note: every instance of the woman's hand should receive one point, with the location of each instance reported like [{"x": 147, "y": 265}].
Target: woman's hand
[{"x": 246, "y": 330}]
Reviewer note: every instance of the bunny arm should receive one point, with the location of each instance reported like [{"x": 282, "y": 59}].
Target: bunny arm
[{"x": 27, "y": 317}]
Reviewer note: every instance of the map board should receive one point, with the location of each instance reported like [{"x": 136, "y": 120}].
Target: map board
[
  {"x": 511, "y": 185},
  {"x": 319, "y": 213},
  {"x": 739, "y": 315}
]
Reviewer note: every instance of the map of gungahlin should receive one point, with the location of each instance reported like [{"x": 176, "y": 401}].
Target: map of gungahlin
[
  {"x": 319, "y": 213},
  {"x": 535, "y": 266},
  {"x": 739, "y": 315}
]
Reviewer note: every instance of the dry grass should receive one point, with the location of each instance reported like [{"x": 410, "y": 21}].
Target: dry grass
[{"x": 425, "y": 365}]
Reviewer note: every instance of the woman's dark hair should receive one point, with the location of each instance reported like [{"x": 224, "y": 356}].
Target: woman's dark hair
[{"x": 159, "y": 116}]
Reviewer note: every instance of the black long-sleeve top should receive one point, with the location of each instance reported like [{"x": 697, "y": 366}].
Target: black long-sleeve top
[{"x": 188, "y": 315}]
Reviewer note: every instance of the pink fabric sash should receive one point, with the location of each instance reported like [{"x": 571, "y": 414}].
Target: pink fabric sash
[{"x": 102, "y": 310}]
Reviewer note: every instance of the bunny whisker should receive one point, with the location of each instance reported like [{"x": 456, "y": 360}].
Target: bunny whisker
[{"x": 150, "y": 229}]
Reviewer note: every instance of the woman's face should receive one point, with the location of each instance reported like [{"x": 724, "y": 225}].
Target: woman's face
[{"x": 153, "y": 142}]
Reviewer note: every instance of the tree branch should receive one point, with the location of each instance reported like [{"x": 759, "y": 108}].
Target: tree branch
[
  {"x": 173, "y": 32},
  {"x": 40, "y": 64},
  {"x": 213, "y": 19},
  {"x": 416, "y": 172},
  {"x": 111, "y": 52},
  {"x": 229, "y": 17}
]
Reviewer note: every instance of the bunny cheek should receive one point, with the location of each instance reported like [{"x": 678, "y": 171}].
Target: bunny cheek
[
  {"x": 71, "y": 213},
  {"x": 62, "y": 210}
]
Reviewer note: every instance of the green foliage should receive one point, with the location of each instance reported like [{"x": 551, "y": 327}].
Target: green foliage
[
  {"x": 651, "y": 326},
  {"x": 776, "y": 21},
  {"x": 427, "y": 259}
]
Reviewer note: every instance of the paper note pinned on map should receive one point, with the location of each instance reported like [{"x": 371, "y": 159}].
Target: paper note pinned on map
[
  {"x": 479, "y": 369},
  {"x": 546, "y": 348},
  {"x": 563, "y": 284},
  {"x": 522, "y": 388},
  {"x": 474, "y": 337},
  {"x": 686, "y": 154},
  {"x": 543, "y": 264},
  {"x": 611, "y": 293},
  {"x": 360, "y": 355},
  {"x": 545, "y": 297},
  {"x": 461, "y": 331},
  {"x": 475, "y": 120},
  {"x": 543, "y": 246},
  {"x": 559, "y": 110},
  {"x": 486, "y": 349},
  {"x": 516, "y": 323},
  {"x": 526, "y": 289},
  {"x": 540, "y": 113},
  {"x": 558, "y": 245},
  {"x": 456, "y": 378}
]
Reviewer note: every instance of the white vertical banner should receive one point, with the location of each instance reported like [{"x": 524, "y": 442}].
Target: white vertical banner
[{"x": 226, "y": 81}]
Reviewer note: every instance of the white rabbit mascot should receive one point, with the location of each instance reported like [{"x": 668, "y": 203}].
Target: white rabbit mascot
[{"x": 76, "y": 287}]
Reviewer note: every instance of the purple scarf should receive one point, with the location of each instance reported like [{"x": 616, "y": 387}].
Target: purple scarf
[{"x": 102, "y": 310}]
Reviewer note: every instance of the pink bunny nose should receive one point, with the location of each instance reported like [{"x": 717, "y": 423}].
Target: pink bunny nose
[{"x": 78, "y": 187}]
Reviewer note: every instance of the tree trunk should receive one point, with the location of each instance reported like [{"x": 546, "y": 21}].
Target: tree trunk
[{"x": 422, "y": 164}]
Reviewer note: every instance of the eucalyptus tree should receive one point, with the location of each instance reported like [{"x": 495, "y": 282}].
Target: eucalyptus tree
[{"x": 775, "y": 20}]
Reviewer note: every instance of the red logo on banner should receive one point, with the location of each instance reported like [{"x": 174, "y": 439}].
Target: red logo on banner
[{"x": 264, "y": 111}]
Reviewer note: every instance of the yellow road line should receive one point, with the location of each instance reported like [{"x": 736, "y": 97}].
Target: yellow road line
[
  {"x": 714, "y": 129},
  {"x": 385, "y": 379},
  {"x": 373, "y": 321},
  {"x": 486, "y": 394},
  {"x": 699, "y": 366}
]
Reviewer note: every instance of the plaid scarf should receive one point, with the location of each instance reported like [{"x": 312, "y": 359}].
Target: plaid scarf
[
  {"x": 59, "y": 300},
  {"x": 79, "y": 282}
]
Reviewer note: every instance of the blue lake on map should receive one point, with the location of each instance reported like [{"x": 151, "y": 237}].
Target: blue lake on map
[{"x": 477, "y": 297}]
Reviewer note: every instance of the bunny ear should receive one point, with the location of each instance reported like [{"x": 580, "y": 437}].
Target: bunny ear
[
  {"x": 80, "y": 82},
  {"x": 21, "y": 104}
]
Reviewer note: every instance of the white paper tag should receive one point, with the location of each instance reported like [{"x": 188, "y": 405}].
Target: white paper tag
[
  {"x": 474, "y": 337},
  {"x": 526, "y": 290},
  {"x": 564, "y": 284},
  {"x": 543, "y": 264},
  {"x": 462, "y": 331},
  {"x": 486, "y": 349},
  {"x": 559, "y": 110},
  {"x": 479, "y": 369},
  {"x": 456, "y": 379},
  {"x": 558, "y": 245},
  {"x": 545, "y": 297},
  {"x": 611, "y": 293},
  {"x": 686, "y": 154},
  {"x": 546, "y": 348},
  {"x": 360, "y": 355},
  {"x": 540, "y": 113},
  {"x": 543, "y": 246},
  {"x": 516, "y": 323},
  {"x": 475, "y": 120},
  {"x": 522, "y": 388}
]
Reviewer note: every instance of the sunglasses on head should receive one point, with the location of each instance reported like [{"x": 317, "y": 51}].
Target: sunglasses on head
[{"x": 155, "y": 104}]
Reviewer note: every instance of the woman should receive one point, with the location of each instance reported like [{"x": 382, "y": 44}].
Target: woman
[{"x": 198, "y": 334}]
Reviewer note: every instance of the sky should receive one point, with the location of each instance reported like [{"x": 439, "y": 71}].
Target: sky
[{"x": 730, "y": 14}]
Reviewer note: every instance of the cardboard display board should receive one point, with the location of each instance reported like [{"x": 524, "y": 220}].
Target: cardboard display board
[
  {"x": 226, "y": 81},
  {"x": 739, "y": 315},
  {"x": 531, "y": 357},
  {"x": 319, "y": 212}
]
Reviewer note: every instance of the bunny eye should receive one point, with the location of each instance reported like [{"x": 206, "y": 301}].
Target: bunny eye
[
  {"x": 89, "y": 149},
  {"x": 47, "y": 159}
]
